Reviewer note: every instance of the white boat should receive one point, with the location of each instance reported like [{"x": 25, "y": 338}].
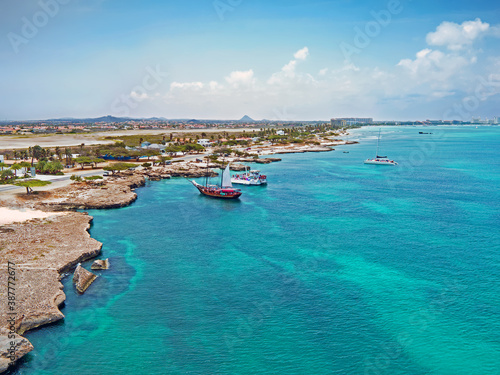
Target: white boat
[
  {"x": 380, "y": 160},
  {"x": 252, "y": 177}
]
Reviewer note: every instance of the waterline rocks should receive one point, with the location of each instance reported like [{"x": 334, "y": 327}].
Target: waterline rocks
[
  {"x": 100, "y": 264},
  {"x": 83, "y": 278},
  {"x": 40, "y": 252},
  {"x": 238, "y": 167},
  {"x": 118, "y": 191},
  {"x": 11, "y": 349}
]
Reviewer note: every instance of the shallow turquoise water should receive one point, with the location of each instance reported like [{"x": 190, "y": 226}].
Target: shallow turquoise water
[{"x": 336, "y": 267}]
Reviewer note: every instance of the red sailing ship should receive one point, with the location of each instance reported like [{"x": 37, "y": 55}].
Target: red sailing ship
[{"x": 225, "y": 190}]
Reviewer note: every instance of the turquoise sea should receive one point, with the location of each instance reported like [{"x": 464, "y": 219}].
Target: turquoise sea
[{"x": 335, "y": 267}]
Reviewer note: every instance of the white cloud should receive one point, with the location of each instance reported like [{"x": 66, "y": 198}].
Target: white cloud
[
  {"x": 457, "y": 36},
  {"x": 186, "y": 85},
  {"x": 302, "y": 54},
  {"x": 139, "y": 96},
  {"x": 288, "y": 71},
  {"x": 241, "y": 78},
  {"x": 214, "y": 85},
  {"x": 424, "y": 85}
]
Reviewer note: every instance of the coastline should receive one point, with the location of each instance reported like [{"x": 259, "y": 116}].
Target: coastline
[{"x": 63, "y": 241}]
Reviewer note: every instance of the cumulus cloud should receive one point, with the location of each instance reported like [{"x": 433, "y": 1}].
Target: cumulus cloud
[
  {"x": 302, "y": 54},
  {"x": 288, "y": 71},
  {"x": 186, "y": 85},
  {"x": 457, "y": 36},
  {"x": 427, "y": 82},
  {"x": 138, "y": 96},
  {"x": 241, "y": 78}
]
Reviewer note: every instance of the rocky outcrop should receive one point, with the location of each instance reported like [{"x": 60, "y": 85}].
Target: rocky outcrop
[
  {"x": 100, "y": 264},
  {"x": 116, "y": 192},
  {"x": 258, "y": 161},
  {"x": 302, "y": 150},
  {"x": 83, "y": 278},
  {"x": 12, "y": 347},
  {"x": 238, "y": 167},
  {"x": 40, "y": 252}
]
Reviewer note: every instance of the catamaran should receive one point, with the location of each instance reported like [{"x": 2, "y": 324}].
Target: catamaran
[
  {"x": 250, "y": 177},
  {"x": 380, "y": 160},
  {"x": 225, "y": 190}
]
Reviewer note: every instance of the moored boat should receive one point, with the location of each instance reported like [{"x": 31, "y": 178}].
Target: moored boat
[
  {"x": 252, "y": 177},
  {"x": 224, "y": 191},
  {"x": 380, "y": 160}
]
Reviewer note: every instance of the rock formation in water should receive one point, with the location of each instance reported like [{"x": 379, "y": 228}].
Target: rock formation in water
[
  {"x": 100, "y": 264},
  {"x": 83, "y": 278}
]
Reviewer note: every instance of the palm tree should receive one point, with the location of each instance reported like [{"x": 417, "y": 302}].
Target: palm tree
[
  {"x": 15, "y": 167},
  {"x": 59, "y": 153},
  {"x": 36, "y": 152},
  {"x": 68, "y": 154}
]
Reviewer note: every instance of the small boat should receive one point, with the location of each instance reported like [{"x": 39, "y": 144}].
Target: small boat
[
  {"x": 346, "y": 152},
  {"x": 380, "y": 160},
  {"x": 251, "y": 177},
  {"x": 224, "y": 191}
]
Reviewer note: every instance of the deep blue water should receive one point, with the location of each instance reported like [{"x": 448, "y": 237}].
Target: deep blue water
[{"x": 335, "y": 267}]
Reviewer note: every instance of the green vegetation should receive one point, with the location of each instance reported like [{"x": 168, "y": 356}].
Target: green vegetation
[
  {"x": 137, "y": 140},
  {"x": 76, "y": 178},
  {"x": 49, "y": 167},
  {"x": 87, "y": 160},
  {"x": 117, "y": 167},
  {"x": 93, "y": 178},
  {"x": 30, "y": 184},
  {"x": 162, "y": 160},
  {"x": 6, "y": 175}
]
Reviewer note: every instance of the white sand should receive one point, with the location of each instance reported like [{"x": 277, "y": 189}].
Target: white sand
[{"x": 9, "y": 216}]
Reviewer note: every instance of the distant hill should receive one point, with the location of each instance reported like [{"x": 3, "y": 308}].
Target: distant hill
[
  {"x": 246, "y": 119},
  {"x": 107, "y": 119}
]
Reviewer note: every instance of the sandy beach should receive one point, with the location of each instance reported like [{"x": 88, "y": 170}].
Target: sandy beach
[{"x": 10, "y": 216}]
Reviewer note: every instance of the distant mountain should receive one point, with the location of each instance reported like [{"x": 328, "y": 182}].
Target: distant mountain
[
  {"x": 246, "y": 119},
  {"x": 107, "y": 119}
]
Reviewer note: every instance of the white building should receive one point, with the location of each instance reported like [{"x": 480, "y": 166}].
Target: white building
[
  {"x": 204, "y": 142},
  {"x": 280, "y": 132}
]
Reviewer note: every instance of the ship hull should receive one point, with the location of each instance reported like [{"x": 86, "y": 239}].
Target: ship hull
[
  {"x": 215, "y": 192},
  {"x": 380, "y": 162}
]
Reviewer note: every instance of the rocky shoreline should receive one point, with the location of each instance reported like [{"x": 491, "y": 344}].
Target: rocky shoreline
[
  {"x": 40, "y": 252},
  {"x": 44, "y": 250}
]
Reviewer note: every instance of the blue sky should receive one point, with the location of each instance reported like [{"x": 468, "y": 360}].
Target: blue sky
[{"x": 283, "y": 60}]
